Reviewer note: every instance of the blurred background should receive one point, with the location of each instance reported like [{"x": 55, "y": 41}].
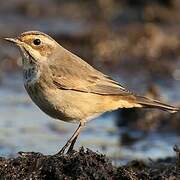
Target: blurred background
[{"x": 134, "y": 41}]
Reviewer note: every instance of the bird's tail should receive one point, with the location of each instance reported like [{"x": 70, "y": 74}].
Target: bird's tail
[{"x": 150, "y": 103}]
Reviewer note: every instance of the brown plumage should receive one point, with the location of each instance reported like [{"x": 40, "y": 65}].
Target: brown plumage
[{"x": 67, "y": 88}]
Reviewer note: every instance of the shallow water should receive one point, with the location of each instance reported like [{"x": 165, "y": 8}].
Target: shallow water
[{"x": 23, "y": 127}]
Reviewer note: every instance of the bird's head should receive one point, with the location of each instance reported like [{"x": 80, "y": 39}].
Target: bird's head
[{"x": 34, "y": 45}]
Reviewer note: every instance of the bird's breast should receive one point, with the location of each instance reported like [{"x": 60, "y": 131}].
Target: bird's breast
[{"x": 31, "y": 75}]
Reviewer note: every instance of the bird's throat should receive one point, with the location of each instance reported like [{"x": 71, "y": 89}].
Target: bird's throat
[{"x": 31, "y": 73}]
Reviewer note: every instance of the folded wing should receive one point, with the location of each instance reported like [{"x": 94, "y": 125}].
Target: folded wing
[{"x": 72, "y": 73}]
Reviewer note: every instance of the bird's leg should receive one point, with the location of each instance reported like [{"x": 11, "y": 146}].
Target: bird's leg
[
  {"x": 72, "y": 144},
  {"x": 72, "y": 140}
]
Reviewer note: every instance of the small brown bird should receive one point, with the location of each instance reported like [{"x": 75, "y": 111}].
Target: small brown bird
[{"x": 67, "y": 88}]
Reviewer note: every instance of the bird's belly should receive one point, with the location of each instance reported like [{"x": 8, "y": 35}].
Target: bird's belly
[
  {"x": 67, "y": 105},
  {"x": 46, "y": 100}
]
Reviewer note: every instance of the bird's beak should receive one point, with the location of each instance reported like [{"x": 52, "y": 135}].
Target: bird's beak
[{"x": 13, "y": 40}]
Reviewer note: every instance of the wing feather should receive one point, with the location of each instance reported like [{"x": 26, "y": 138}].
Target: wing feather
[{"x": 72, "y": 73}]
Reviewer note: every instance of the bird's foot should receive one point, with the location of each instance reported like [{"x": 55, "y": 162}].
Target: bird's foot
[
  {"x": 61, "y": 152},
  {"x": 71, "y": 141},
  {"x": 65, "y": 147}
]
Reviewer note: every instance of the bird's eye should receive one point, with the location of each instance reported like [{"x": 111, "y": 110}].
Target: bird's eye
[{"x": 37, "y": 42}]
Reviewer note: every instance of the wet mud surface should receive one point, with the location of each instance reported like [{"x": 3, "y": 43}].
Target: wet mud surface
[{"x": 84, "y": 164}]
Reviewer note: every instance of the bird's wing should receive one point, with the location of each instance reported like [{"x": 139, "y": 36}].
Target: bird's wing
[{"x": 72, "y": 73}]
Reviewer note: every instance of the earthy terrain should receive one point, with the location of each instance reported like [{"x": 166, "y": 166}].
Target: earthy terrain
[{"x": 85, "y": 164}]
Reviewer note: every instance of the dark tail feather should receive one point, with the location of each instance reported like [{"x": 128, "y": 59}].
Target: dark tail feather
[{"x": 150, "y": 103}]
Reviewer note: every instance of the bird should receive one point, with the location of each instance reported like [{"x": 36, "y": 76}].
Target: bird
[{"x": 67, "y": 88}]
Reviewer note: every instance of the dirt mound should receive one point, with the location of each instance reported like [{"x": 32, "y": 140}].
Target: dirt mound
[{"x": 83, "y": 165}]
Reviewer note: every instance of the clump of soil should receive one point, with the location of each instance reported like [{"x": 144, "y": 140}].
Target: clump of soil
[
  {"x": 83, "y": 165},
  {"x": 162, "y": 169},
  {"x": 78, "y": 165}
]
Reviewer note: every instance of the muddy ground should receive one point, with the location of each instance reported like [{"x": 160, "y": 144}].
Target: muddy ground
[{"x": 85, "y": 164}]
